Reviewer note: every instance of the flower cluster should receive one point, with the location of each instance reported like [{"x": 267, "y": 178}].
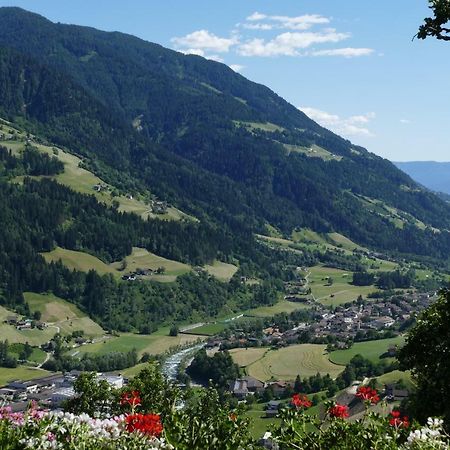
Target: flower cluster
[
  {"x": 368, "y": 394},
  {"x": 432, "y": 436},
  {"x": 132, "y": 398},
  {"x": 38, "y": 430},
  {"x": 149, "y": 424},
  {"x": 301, "y": 401},
  {"x": 397, "y": 420},
  {"x": 338, "y": 411}
]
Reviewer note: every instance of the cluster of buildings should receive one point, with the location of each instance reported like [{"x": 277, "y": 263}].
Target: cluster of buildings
[
  {"x": 346, "y": 322},
  {"x": 246, "y": 386},
  {"x": 50, "y": 391},
  {"x": 359, "y": 321},
  {"x": 133, "y": 276},
  {"x": 25, "y": 324}
]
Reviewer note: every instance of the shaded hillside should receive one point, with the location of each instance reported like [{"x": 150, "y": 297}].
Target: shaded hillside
[{"x": 194, "y": 132}]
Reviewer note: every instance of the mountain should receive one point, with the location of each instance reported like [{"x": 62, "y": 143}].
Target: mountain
[
  {"x": 195, "y": 133},
  {"x": 431, "y": 174}
]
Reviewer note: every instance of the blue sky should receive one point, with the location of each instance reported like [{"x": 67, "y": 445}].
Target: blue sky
[{"x": 350, "y": 64}]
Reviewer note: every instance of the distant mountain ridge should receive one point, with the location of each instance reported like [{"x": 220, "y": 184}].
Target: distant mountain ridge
[
  {"x": 218, "y": 146},
  {"x": 431, "y": 174}
]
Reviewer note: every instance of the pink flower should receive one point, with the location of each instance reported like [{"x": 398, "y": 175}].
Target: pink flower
[{"x": 50, "y": 436}]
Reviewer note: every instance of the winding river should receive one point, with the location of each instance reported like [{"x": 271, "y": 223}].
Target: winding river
[{"x": 172, "y": 363}]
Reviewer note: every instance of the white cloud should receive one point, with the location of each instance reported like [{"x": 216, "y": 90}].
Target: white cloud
[
  {"x": 202, "y": 40},
  {"x": 258, "y": 26},
  {"x": 256, "y": 16},
  {"x": 303, "y": 22},
  {"x": 288, "y": 44},
  {"x": 348, "y": 127},
  {"x": 348, "y": 52},
  {"x": 237, "y": 67},
  {"x": 200, "y": 52},
  {"x": 193, "y": 51}
]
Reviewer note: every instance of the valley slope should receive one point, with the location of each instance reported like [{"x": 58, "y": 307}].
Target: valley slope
[{"x": 217, "y": 146}]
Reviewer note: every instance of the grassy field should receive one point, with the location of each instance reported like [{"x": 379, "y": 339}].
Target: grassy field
[
  {"x": 82, "y": 180},
  {"x": 344, "y": 242},
  {"x": 34, "y": 337},
  {"x": 264, "y": 126},
  {"x": 143, "y": 259},
  {"x": 371, "y": 350},
  {"x": 154, "y": 344},
  {"x": 279, "y": 307},
  {"x": 395, "y": 376},
  {"x": 209, "y": 329},
  {"x": 222, "y": 271},
  {"x": 133, "y": 371},
  {"x": 64, "y": 315},
  {"x": 139, "y": 258},
  {"x": 52, "y": 307},
  {"x": 79, "y": 261},
  {"x": 340, "y": 291},
  {"x": 38, "y": 356},
  {"x": 288, "y": 362},
  {"x": 20, "y": 373},
  {"x": 259, "y": 423},
  {"x": 244, "y": 357},
  {"x": 313, "y": 152}
]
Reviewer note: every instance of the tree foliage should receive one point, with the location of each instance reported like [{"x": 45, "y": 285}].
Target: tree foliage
[
  {"x": 426, "y": 354},
  {"x": 437, "y": 26}
]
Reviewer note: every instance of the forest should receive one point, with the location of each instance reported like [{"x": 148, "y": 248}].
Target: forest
[{"x": 194, "y": 147}]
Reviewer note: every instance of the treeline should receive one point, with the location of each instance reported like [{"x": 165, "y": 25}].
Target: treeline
[
  {"x": 7, "y": 359},
  {"x": 385, "y": 280},
  {"x": 220, "y": 369},
  {"x": 93, "y": 362},
  {"x": 31, "y": 162}
]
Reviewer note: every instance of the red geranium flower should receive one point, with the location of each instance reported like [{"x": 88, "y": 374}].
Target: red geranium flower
[
  {"x": 338, "y": 411},
  {"x": 130, "y": 398},
  {"x": 397, "y": 420},
  {"x": 145, "y": 423},
  {"x": 301, "y": 401},
  {"x": 367, "y": 393}
]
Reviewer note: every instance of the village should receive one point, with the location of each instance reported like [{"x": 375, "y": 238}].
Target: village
[{"x": 339, "y": 326}]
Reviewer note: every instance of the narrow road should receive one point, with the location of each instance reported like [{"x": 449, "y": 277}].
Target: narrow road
[{"x": 47, "y": 357}]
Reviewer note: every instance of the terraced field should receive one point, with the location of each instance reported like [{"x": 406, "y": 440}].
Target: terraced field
[{"x": 288, "y": 362}]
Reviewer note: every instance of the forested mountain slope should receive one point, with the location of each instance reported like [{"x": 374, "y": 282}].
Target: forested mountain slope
[{"x": 229, "y": 151}]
